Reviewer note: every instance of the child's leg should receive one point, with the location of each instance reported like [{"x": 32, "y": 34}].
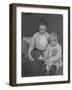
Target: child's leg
[
  {"x": 52, "y": 70},
  {"x": 47, "y": 67}
]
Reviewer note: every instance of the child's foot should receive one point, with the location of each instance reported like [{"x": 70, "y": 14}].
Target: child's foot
[{"x": 52, "y": 70}]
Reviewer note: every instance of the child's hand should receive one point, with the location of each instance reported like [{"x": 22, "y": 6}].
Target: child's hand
[{"x": 49, "y": 62}]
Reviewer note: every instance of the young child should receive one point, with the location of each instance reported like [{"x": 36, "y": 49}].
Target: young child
[{"x": 53, "y": 54}]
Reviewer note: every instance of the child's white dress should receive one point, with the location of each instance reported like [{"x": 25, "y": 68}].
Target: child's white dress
[{"x": 54, "y": 56}]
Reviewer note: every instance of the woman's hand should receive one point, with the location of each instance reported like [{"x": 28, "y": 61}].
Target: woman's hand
[{"x": 31, "y": 58}]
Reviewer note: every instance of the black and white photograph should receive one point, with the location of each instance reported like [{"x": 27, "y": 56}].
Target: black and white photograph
[{"x": 41, "y": 44}]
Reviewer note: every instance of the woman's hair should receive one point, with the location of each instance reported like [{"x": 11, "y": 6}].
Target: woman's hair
[{"x": 43, "y": 22}]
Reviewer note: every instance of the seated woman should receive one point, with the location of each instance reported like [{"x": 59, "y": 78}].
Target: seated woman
[{"x": 36, "y": 50}]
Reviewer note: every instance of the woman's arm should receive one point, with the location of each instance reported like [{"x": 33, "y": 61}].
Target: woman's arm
[
  {"x": 29, "y": 53},
  {"x": 27, "y": 39}
]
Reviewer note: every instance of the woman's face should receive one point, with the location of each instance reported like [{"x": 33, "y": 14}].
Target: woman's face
[{"x": 42, "y": 29}]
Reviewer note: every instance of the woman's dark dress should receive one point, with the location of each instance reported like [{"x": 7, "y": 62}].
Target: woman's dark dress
[{"x": 32, "y": 68}]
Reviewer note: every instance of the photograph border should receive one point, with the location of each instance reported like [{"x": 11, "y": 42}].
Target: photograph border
[{"x": 12, "y": 41}]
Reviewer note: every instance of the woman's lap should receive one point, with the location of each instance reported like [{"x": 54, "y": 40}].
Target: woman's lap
[{"x": 31, "y": 68}]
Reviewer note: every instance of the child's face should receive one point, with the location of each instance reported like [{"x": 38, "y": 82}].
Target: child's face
[{"x": 53, "y": 42}]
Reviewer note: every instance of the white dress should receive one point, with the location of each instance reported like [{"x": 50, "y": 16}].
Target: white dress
[{"x": 54, "y": 56}]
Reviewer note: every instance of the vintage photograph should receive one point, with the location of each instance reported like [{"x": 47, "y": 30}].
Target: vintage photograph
[
  {"x": 39, "y": 44},
  {"x": 42, "y": 44}
]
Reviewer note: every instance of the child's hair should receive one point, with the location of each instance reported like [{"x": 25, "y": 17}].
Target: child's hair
[
  {"x": 43, "y": 22},
  {"x": 53, "y": 36}
]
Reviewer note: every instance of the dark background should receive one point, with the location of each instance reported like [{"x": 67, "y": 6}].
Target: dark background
[{"x": 30, "y": 24}]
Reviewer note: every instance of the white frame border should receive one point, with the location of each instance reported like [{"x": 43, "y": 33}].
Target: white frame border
[{"x": 63, "y": 77}]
